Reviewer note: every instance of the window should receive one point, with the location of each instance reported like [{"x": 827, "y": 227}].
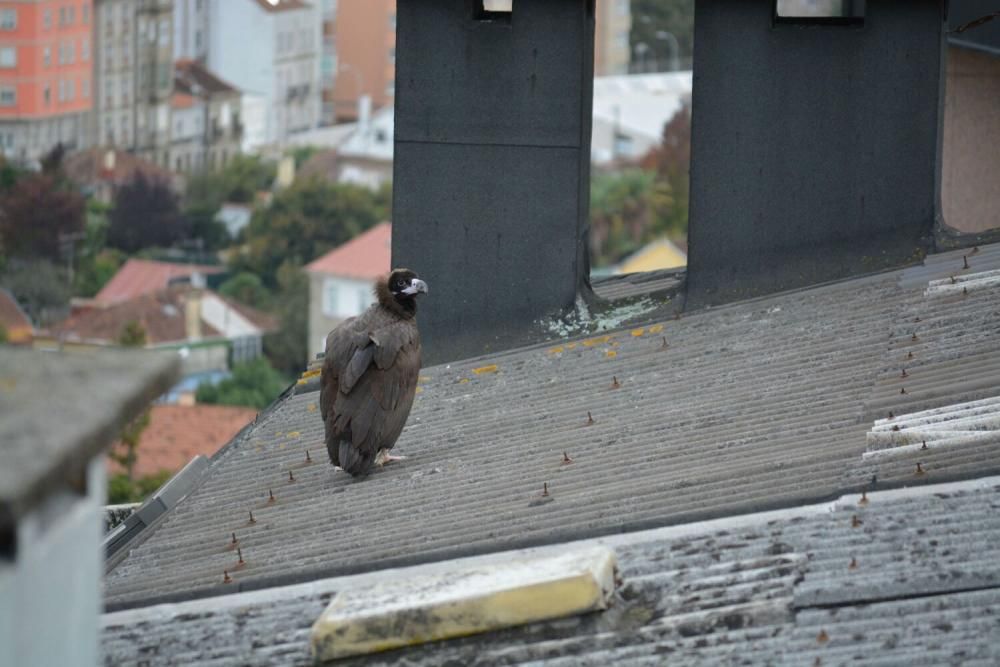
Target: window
[
  {"x": 47, "y": 56},
  {"x": 8, "y": 56},
  {"x": 47, "y": 94},
  {"x": 8, "y": 97},
  {"x": 8, "y": 19},
  {"x": 330, "y": 304},
  {"x": 62, "y": 16},
  {"x": 47, "y": 18},
  {"x": 164, "y": 37}
]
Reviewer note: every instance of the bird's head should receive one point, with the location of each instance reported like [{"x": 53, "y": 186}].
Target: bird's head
[{"x": 398, "y": 291}]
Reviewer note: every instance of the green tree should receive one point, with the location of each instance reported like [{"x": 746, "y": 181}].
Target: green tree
[
  {"x": 123, "y": 489},
  {"x": 125, "y": 450},
  {"x": 253, "y": 384},
  {"x": 146, "y": 214},
  {"x": 34, "y": 212},
  {"x": 247, "y": 288},
  {"x": 304, "y": 221},
  {"x": 133, "y": 334},
  {"x": 287, "y": 347},
  {"x": 39, "y": 286},
  {"x": 652, "y": 18},
  {"x": 626, "y": 211}
]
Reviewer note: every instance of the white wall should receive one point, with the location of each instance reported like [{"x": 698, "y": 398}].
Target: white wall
[{"x": 50, "y": 595}]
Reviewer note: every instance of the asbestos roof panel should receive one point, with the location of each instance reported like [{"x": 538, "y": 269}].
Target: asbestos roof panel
[
  {"x": 748, "y": 407},
  {"x": 786, "y": 587}
]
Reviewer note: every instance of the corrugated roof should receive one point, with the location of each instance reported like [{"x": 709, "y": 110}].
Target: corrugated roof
[
  {"x": 731, "y": 410},
  {"x": 364, "y": 257},
  {"x": 903, "y": 577},
  {"x": 178, "y": 433},
  {"x": 141, "y": 276}
]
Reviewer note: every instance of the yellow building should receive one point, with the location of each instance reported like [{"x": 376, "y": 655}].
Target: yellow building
[{"x": 655, "y": 255}]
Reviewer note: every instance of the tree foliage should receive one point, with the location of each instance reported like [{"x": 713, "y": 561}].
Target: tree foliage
[
  {"x": 672, "y": 163},
  {"x": 248, "y": 289},
  {"x": 626, "y": 210},
  {"x": 40, "y": 288},
  {"x": 287, "y": 347},
  {"x": 123, "y": 489},
  {"x": 306, "y": 220},
  {"x": 34, "y": 211},
  {"x": 146, "y": 214},
  {"x": 254, "y": 384}
]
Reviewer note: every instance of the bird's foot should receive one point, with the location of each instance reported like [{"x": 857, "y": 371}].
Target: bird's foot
[{"x": 384, "y": 457}]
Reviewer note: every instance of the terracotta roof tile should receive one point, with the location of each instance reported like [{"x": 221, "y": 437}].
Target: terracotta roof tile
[
  {"x": 141, "y": 276},
  {"x": 177, "y": 433},
  {"x": 365, "y": 257}
]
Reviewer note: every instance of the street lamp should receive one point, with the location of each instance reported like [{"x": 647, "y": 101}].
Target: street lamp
[{"x": 675, "y": 48}]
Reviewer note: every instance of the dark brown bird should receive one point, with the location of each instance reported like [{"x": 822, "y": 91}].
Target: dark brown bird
[{"x": 370, "y": 375}]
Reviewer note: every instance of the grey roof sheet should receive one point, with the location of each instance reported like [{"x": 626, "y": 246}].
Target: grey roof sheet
[
  {"x": 752, "y": 406},
  {"x": 915, "y": 582},
  {"x": 59, "y": 410}
]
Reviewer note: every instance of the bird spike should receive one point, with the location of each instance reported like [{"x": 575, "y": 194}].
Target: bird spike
[
  {"x": 891, "y": 416},
  {"x": 864, "y": 498},
  {"x": 664, "y": 345},
  {"x": 308, "y": 459},
  {"x": 239, "y": 554},
  {"x": 590, "y": 419},
  {"x": 822, "y": 637},
  {"x": 545, "y": 489},
  {"x": 902, "y": 390},
  {"x": 965, "y": 261},
  {"x": 920, "y": 469},
  {"x": 270, "y": 496},
  {"x": 234, "y": 539},
  {"x": 226, "y": 579},
  {"x": 252, "y": 520},
  {"x": 924, "y": 445},
  {"x": 854, "y": 564},
  {"x": 913, "y": 337},
  {"x": 291, "y": 477},
  {"x": 909, "y": 355},
  {"x": 965, "y": 291},
  {"x": 614, "y": 382},
  {"x": 566, "y": 458},
  {"x": 855, "y": 521},
  {"x": 904, "y": 374}
]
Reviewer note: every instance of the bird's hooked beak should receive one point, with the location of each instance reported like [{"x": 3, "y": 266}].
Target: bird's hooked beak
[{"x": 416, "y": 286}]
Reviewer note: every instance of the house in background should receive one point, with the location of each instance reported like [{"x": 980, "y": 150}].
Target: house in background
[
  {"x": 206, "y": 125},
  {"x": 142, "y": 276},
  {"x": 654, "y": 256},
  {"x": 15, "y": 325},
  {"x": 340, "y": 282},
  {"x": 208, "y": 331},
  {"x": 178, "y": 433},
  {"x": 101, "y": 171}
]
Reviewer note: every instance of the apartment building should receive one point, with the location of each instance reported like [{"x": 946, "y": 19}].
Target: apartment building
[
  {"x": 366, "y": 55},
  {"x": 327, "y": 60},
  {"x": 45, "y": 76},
  {"x": 269, "y": 49},
  {"x": 206, "y": 122},
  {"x": 134, "y": 76},
  {"x": 612, "y": 25},
  {"x": 191, "y": 30}
]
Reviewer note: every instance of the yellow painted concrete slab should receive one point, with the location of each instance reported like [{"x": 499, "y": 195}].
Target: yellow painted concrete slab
[{"x": 395, "y": 612}]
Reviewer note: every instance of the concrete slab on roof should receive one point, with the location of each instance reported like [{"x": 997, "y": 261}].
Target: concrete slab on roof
[
  {"x": 60, "y": 410},
  {"x": 789, "y": 586}
]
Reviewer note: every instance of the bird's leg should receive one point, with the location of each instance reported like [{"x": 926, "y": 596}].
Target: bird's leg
[{"x": 384, "y": 457}]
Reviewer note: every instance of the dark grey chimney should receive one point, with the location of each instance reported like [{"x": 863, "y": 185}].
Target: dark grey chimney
[
  {"x": 815, "y": 144},
  {"x": 491, "y": 166}
]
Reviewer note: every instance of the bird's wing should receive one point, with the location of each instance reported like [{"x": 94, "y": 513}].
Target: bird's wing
[
  {"x": 341, "y": 344},
  {"x": 377, "y": 400}
]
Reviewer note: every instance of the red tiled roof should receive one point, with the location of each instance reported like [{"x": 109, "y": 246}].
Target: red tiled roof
[
  {"x": 181, "y": 101},
  {"x": 13, "y": 320},
  {"x": 365, "y": 257},
  {"x": 177, "y": 433},
  {"x": 141, "y": 276}
]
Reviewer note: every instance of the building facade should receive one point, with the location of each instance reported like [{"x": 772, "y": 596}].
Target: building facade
[
  {"x": 191, "y": 30},
  {"x": 327, "y": 61},
  {"x": 612, "y": 25},
  {"x": 366, "y": 56},
  {"x": 206, "y": 123},
  {"x": 45, "y": 76},
  {"x": 134, "y": 76},
  {"x": 282, "y": 68}
]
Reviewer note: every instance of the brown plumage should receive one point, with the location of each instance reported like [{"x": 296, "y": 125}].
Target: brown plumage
[{"x": 370, "y": 374}]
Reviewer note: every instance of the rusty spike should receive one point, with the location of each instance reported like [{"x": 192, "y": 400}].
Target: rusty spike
[
  {"x": 965, "y": 291},
  {"x": 891, "y": 416},
  {"x": 855, "y": 521},
  {"x": 909, "y": 355},
  {"x": 920, "y": 470},
  {"x": 916, "y": 319},
  {"x": 965, "y": 261},
  {"x": 854, "y": 564},
  {"x": 252, "y": 520},
  {"x": 545, "y": 489},
  {"x": 566, "y": 458},
  {"x": 308, "y": 459},
  {"x": 895, "y": 427},
  {"x": 924, "y": 446},
  {"x": 291, "y": 477},
  {"x": 953, "y": 281},
  {"x": 270, "y": 496},
  {"x": 614, "y": 382},
  {"x": 664, "y": 345},
  {"x": 904, "y": 374},
  {"x": 234, "y": 539},
  {"x": 226, "y": 579},
  {"x": 902, "y": 390},
  {"x": 864, "y": 498},
  {"x": 975, "y": 249},
  {"x": 239, "y": 553},
  {"x": 590, "y": 420},
  {"x": 913, "y": 337},
  {"x": 822, "y": 637}
]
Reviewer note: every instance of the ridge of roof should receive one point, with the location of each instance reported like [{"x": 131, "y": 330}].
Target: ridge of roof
[{"x": 365, "y": 257}]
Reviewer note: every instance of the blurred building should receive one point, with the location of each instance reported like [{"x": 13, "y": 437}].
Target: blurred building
[
  {"x": 191, "y": 30},
  {"x": 206, "y": 123},
  {"x": 269, "y": 49},
  {"x": 612, "y": 25},
  {"x": 45, "y": 72},
  {"x": 340, "y": 282},
  {"x": 366, "y": 55},
  {"x": 327, "y": 60}
]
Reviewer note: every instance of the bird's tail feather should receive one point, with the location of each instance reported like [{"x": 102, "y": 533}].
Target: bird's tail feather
[{"x": 354, "y": 461}]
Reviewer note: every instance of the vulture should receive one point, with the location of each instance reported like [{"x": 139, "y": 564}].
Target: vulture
[{"x": 370, "y": 374}]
